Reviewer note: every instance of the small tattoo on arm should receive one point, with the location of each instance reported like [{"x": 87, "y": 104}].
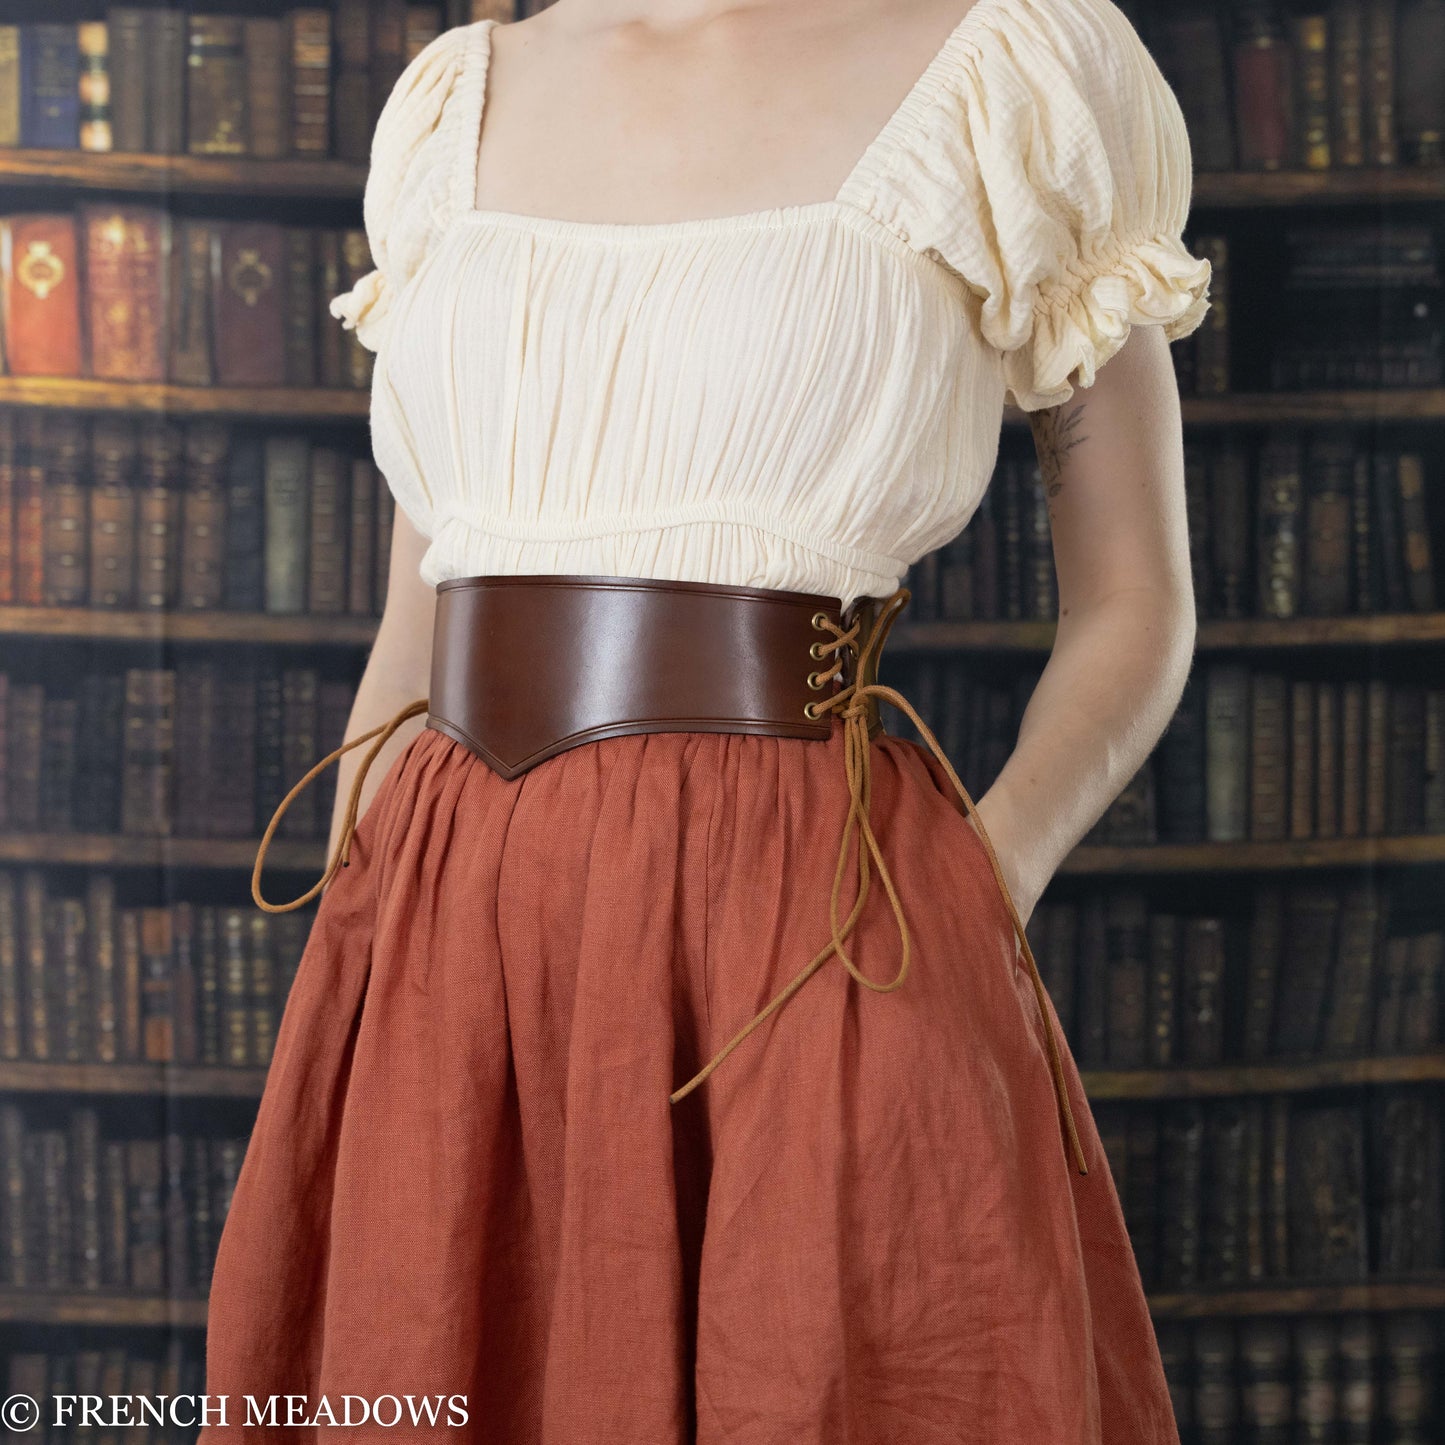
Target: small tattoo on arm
[{"x": 1056, "y": 433}]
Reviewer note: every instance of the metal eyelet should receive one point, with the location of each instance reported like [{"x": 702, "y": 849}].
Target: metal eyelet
[
  {"x": 817, "y": 651},
  {"x": 809, "y": 712},
  {"x": 820, "y": 620},
  {"x": 817, "y": 681}
]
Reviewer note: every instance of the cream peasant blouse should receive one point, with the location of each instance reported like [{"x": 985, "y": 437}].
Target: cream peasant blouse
[{"x": 805, "y": 397}]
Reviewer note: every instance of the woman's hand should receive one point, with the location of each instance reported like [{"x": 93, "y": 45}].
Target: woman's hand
[{"x": 1112, "y": 458}]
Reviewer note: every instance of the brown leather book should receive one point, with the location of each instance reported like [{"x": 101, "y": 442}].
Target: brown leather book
[
  {"x": 249, "y": 304},
  {"x": 385, "y": 517},
  {"x": 309, "y": 30},
  {"x": 1359, "y": 944},
  {"x": 66, "y": 506},
  {"x": 113, "y": 512},
  {"x": 235, "y": 992},
  {"x": 263, "y": 1003},
  {"x": 93, "y": 43},
  {"x": 361, "y": 539},
  {"x": 1420, "y": 98},
  {"x": 423, "y": 25},
  {"x": 1310, "y": 37},
  {"x": 129, "y": 76},
  {"x": 245, "y": 551},
  {"x": 1352, "y": 758},
  {"x": 1327, "y": 759},
  {"x": 11, "y": 1039},
  {"x": 146, "y": 1219},
  {"x": 125, "y": 265},
  {"x": 1279, "y": 524},
  {"x": 40, "y": 277},
  {"x": 208, "y": 993},
  {"x": 1415, "y": 530},
  {"x": 1202, "y": 989},
  {"x": 1377, "y": 757},
  {"x": 1227, "y": 728},
  {"x": 85, "y": 1199},
  {"x": 1405, "y": 760},
  {"x": 9, "y": 86},
  {"x": 388, "y": 49},
  {"x": 1269, "y": 741},
  {"x": 1327, "y": 485},
  {"x": 158, "y": 513},
  {"x": 1127, "y": 922},
  {"x": 329, "y": 330},
  {"x": 31, "y": 458},
  {"x": 167, "y": 35},
  {"x": 196, "y": 760},
  {"x": 100, "y": 907},
  {"x": 301, "y": 306},
  {"x": 287, "y": 468},
  {"x": 1229, "y": 516},
  {"x": 1381, "y": 142},
  {"x": 351, "y": 80},
  {"x": 203, "y": 515},
  {"x": 1211, "y": 340},
  {"x": 355, "y": 263},
  {"x": 1347, "y": 81},
  {"x": 8, "y": 455},
  {"x": 1262, "y": 964},
  {"x": 1189, "y": 47},
  {"x": 1266, "y": 1396},
  {"x": 1301, "y": 800},
  {"x": 326, "y": 553},
  {"x": 39, "y": 1028},
  {"x": 215, "y": 85},
  {"x": 148, "y": 758},
  {"x": 1263, "y": 91},
  {"x": 1311, "y": 923},
  {"x": 268, "y": 86},
  {"x": 300, "y": 747},
  {"x": 183, "y": 925},
  {"x": 194, "y": 256},
  {"x": 131, "y": 1043}
]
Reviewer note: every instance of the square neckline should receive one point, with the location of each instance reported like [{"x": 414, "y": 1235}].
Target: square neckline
[{"x": 477, "y": 63}]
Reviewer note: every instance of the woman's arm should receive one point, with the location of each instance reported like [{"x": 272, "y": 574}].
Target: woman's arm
[
  {"x": 1113, "y": 467},
  {"x": 397, "y": 670}
]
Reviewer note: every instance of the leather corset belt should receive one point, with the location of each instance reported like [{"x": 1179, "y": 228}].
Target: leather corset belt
[{"x": 525, "y": 667}]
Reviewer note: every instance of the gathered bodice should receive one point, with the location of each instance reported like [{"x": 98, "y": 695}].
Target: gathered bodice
[{"x": 806, "y": 397}]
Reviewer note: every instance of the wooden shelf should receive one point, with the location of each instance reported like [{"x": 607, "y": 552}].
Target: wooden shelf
[
  {"x": 111, "y": 850},
  {"x": 120, "y": 851},
  {"x": 1261, "y": 408},
  {"x": 1251, "y": 857},
  {"x": 344, "y": 180},
  {"x": 43, "y": 1307},
  {"x": 189, "y": 1081},
  {"x": 289, "y": 403},
  {"x": 60, "y": 170},
  {"x": 1379, "y": 630},
  {"x": 1102, "y": 1085},
  {"x": 1223, "y": 1080},
  {"x": 1352, "y": 185},
  {"x": 300, "y": 630},
  {"x": 1415, "y": 1294},
  {"x": 37, "y": 1307},
  {"x": 353, "y": 404},
  {"x": 906, "y": 638}
]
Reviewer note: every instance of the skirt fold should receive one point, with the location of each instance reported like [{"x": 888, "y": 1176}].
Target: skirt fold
[{"x": 467, "y": 1178}]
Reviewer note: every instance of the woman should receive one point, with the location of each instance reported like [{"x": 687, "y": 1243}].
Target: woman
[{"x": 690, "y": 1079}]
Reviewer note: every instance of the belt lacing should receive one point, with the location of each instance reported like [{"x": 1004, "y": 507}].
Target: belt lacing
[{"x": 850, "y": 702}]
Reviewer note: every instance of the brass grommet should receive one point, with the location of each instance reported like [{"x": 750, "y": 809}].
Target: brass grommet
[
  {"x": 816, "y": 681},
  {"x": 820, "y": 620},
  {"x": 816, "y": 651},
  {"x": 809, "y": 713}
]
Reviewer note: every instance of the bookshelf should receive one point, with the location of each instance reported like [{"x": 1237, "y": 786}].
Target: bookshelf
[{"x": 1246, "y": 201}]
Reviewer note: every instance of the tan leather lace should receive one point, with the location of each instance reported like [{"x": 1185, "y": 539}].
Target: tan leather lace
[
  {"x": 342, "y": 857},
  {"x": 851, "y": 702}
]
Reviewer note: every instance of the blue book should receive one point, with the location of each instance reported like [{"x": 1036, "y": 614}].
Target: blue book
[{"x": 50, "y": 86}]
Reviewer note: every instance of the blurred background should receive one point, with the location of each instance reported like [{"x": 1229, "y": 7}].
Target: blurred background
[{"x": 1246, "y": 952}]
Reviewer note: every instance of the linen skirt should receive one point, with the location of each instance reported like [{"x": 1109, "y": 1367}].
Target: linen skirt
[{"x": 467, "y": 1181}]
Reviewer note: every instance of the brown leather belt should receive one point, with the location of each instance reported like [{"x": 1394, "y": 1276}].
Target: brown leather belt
[{"x": 525, "y": 667}]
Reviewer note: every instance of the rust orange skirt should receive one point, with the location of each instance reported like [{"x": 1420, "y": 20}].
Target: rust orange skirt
[{"x": 467, "y": 1178}]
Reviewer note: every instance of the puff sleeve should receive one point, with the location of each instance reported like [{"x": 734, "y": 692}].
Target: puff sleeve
[
  {"x": 410, "y": 185},
  {"x": 1054, "y": 176}
]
